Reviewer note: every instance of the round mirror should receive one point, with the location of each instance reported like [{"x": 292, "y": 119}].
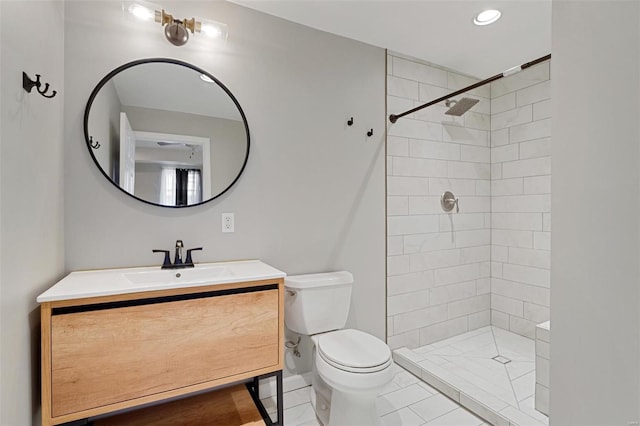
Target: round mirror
[{"x": 166, "y": 132}]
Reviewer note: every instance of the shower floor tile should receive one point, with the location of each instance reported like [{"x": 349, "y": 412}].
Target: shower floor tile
[{"x": 489, "y": 371}]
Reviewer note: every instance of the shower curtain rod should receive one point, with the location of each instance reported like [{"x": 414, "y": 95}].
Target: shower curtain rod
[{"x": 394, "y": 117}]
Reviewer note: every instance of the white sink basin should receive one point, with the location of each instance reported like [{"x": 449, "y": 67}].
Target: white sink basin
[
  {"x": 197, "y": 274},
  {"x": 108, "y": 282}
]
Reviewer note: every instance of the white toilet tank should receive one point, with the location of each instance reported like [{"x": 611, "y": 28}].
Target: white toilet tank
[{"x": 316, "y": 303}]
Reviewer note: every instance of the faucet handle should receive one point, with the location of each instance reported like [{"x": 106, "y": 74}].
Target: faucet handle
[
  {"x": 188, "y": 261},
  {"x": 167, "y": 260}
]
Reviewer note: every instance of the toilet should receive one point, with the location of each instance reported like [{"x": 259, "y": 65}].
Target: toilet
[{"x": 350, "y": 367}]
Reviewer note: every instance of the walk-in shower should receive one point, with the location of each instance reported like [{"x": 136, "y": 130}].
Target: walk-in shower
[{"x": 468, "y": 234}]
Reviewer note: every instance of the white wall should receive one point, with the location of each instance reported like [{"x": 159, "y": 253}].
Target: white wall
[
  {"x": 438, "y": 263},
  {"x": 31, "y": 193},
  {"x": 312, "y": 196},
  {"x": 521, "y": 200},
  {"x": 595, "y": 334}
]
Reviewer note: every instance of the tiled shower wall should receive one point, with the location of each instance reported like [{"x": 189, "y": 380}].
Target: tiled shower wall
[
  {"x": 520, "y": 200},
  {"x": 489, "y": 263},
  {"x": 438, "y": 264}
]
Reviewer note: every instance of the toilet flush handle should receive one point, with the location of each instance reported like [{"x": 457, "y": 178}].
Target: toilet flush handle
[{"x": 291, "y": 293}]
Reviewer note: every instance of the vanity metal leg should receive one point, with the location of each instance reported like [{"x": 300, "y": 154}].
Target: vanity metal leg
[
  {"x": 279, "y": 392},
  {"x": 254, "y": 391}
]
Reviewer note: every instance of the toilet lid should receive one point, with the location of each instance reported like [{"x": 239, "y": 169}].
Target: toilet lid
[{"x": 353, "y": 349}]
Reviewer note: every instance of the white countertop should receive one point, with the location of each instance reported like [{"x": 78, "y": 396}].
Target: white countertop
[{"x": 108, "y": 282}]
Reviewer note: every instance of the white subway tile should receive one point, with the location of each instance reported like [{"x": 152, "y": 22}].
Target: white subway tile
[
  {"x": 535, "y": 148},
  {"x": 479, "y": 319},
  {"x": 390, "y": 64},
  {"x": 522, "y": 327},
  {"x": 477, "y": 154},
  {"x": 434, "y": 260},
  {"x": 520, "y": 291},
  {"x": 397, "y": 206},
  {"x": 463, "y": 170},
  {"x": 542, "y": 240},
  {"x": 443, "y": 330},
  {"x": 458, "y": 81},
  {"x": 475, "y": 254},
  {"x": 437, "y": 186},
  {"x": 503, "y": 103},
  {"x": 419, "y": 167},
  {"x": 496, "y": 171},
  {"x": 542, "y": 399},
  {"x": 397, "y": 265},
  {"x": 389, "y": 326},
  {"x": 474, "y": 205},
  {"x": 530, "y": 257},
  {"x": 459, "y": 134},
  {"x": 523, "y": 168},
  {"x": 507, "y": 305},
  {"x": 407, "y": 283},
  {"x": 485, "y": 269},
  {"x": 473, "y": 238},
  {"x": 405, "y": 225},
  {"x": 499, "y": 137},
  {"x": 537, "y": 185},
  {"x": 542, "y": 110},
  {"x": 500, "y": 154},
  {"x": 522, "y": 203},
  {"x": 461, "y": 222},
  {"x": 542, "y": 348},
  {"x": 434, "y": 114},
  {"x": 451, "y": 292},
  {"x": 416, "y": 129},
  {"x": 389, "y": 170},
  {"x": 513, "y": 117},
  {"x": 507, "y": 187},
  {"x": 398, "y": 147},
  {"x": 477, "y": 120},
  {"x": 420, "y": 243},
  {"x": 512, "y": 238},
  {"x": 496, "y": 269},
  {"x": 499, "y": 319},
  {"x": 395, "y": 246},
  {"x": 529, "y": 131},
  {"x": 410, "y": 339},
  {"x": 397, "y": 105},
  {"x": 529, "y": 77},
  {"x": 499, "y": 253},
  {"x": 546, "y": 222},
  {"x": 456, "y": 274},
  {"x": 536, "y": 313},
  {"x": 517, "y": 221},
  {"x": 407, "y": 302},
  {"x": 429, "y": 92},
  {"x": 469, "y": 306},
  {"x": 402, "y": 88},
  {"x": 419, "y": 72},
  {"x": 434, "y": 150},
  {"x": 424, "y": 205},
  {"x": 483, "y": 286},
  {"x": 421, "y": 318},
  {"x": 401, "y": 185},
  {"x": 483, "y": 187},
  {"x": 532, "y": 94}
]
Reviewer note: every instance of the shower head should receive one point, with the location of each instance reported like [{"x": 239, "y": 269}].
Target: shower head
[{"x": 458, "y": 108}]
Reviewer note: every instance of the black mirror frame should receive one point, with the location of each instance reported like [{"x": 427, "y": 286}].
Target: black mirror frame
[{"x": 128, "y": 65}]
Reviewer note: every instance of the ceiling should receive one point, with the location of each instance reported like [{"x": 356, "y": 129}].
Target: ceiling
[{"x": 437, "y": 31}]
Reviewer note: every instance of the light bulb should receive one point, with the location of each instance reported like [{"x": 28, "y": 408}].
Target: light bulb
[
  {"x": 487, "y": 17},
  {"x": 141, "y": 12},
  {"x": 213, "y": 29}
]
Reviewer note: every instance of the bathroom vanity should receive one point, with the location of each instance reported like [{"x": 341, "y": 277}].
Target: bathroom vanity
[{"x": 122, "y": 338}]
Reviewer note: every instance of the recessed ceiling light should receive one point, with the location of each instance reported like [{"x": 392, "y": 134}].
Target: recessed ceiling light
[
  {"x": 206, "y": 78},
  {"x": 487, "y": 17}
]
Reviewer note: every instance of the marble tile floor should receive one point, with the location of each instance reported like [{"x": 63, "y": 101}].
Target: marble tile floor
[
  {"x": 489, "y": 371},
  {"x": 406, "y": 401}
]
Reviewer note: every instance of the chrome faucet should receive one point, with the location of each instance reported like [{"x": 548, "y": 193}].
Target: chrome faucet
[{"x": 177, "y": 263}]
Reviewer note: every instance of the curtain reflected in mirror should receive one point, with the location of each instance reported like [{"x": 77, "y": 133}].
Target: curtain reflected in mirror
[{"x": 167, "y": 136}]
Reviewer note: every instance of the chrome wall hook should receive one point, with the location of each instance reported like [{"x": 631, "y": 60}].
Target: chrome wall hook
[{"x": 28, "y": 84}]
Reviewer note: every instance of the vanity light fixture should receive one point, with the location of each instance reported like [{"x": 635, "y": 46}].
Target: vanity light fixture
[
  {"x": 487, "y": 17},
  {"x": 176, "y": 30}
]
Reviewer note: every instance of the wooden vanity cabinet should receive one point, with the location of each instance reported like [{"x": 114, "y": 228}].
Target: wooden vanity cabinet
[{"x": 109, "y": 353}]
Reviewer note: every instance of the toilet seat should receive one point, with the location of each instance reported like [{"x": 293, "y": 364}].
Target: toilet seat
[{"x": 354, "y": 351}]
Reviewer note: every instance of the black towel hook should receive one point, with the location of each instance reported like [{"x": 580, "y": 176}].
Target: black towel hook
[
  {"x": 94, "y": 145},
  {"x": 28, "y": 84},
  {"x": 350, "y": 122},
  {"x": 370, "y": 133}
]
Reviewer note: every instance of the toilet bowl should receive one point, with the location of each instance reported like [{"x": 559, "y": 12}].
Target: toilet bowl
[{"x": 350, "y": 367}]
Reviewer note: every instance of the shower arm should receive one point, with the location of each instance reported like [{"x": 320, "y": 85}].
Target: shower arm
[{"x": 394, "y": 117}]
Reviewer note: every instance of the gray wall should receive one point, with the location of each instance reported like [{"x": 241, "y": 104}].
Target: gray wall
[
  {"x": 312, "y": 196},
  {"x": 595, "y": 333},
  {"x": 31, "y": 193}
]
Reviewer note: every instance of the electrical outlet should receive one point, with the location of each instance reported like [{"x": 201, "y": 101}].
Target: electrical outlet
[{"x": 227, "y": 222}]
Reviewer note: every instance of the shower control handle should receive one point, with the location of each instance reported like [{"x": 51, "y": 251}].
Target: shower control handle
[{"x": 448, "y": 201}]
